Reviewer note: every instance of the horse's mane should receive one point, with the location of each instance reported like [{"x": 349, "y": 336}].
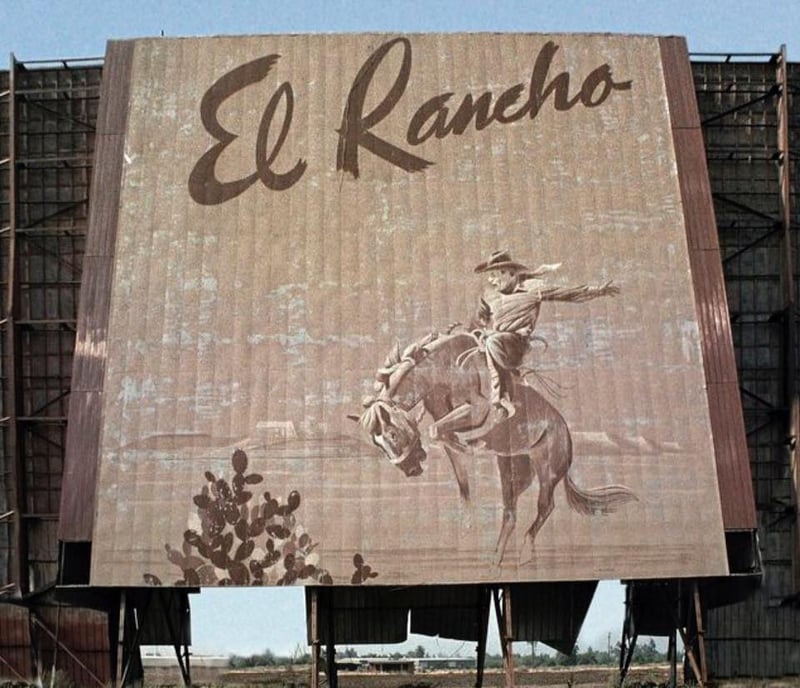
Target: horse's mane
[
  {"x": 407, "y": 358},
  {"x": 398, "y": 362}
]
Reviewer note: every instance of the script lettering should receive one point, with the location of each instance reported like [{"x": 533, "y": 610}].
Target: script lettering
[
  {"x": 433, "y": 118},
  {"x": 204, "y": 186},
  {"x": 355, "y": 129}
]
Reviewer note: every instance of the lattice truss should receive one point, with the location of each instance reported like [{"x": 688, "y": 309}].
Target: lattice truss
[
  {"x": 751, "y": 119},
  {"x": 47, "y": 116}
]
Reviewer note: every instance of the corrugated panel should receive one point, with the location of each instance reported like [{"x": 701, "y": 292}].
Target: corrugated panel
[
  {"x": 359, "y": 615},
  {"x": 15, "y": 643},
  {"x": 733, "y": 468},
  {"x": 552, "y": 613},
  {"x": 83, "y": 643},
  {"x": 449, "y": 611},
  {"x": 78, "y": 489},
  {"x": 6, "y": 455}
]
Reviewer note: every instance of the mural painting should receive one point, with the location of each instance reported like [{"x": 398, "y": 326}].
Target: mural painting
[
  {"x": 292, "y": 208},
  {"x": 473, "y": 385}
]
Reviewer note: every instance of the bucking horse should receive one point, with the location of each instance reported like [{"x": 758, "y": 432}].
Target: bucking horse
[{"x": 438, "y": 376}]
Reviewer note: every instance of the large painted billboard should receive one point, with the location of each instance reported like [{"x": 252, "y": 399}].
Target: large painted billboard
[{"x": 400, "y": 310}]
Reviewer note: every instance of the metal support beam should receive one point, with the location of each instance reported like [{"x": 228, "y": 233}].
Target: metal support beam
[
  {"x": 506, "y": 631},
  {"x": 701, "y": 632},
  {"x": 36, "y": 621},
  {"x": 13, "y": 396},
  {"x": 177, "y": 637},
  {"x": 672, "y": 654},
  {"x": 315, "y": 642},
  {"x": 627, "y": 643},
  {"x": 790, "y": 341},
  {"x": 330, "y": 647},
  {"x": 484, "y": 601}
]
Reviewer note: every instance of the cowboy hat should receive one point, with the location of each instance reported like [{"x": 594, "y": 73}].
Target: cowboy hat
[{"x": 501, "y": 260}]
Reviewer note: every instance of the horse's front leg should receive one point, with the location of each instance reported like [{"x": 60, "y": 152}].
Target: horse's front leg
[
  {"x": 509, "y": 508},
  {"x": 515, "y": 478},
  {"x": 461, "y": 474},
  {"x": 463, "y": 417},
  {"x": 443, "y": 429}
]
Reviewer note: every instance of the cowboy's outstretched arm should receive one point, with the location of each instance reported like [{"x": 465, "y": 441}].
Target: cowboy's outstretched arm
[{"x": 579, "y": 294}]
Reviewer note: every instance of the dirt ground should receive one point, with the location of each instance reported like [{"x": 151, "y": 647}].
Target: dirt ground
[
  {"x": 648, "y": 676},
  {"x": 298, "y": 677}
]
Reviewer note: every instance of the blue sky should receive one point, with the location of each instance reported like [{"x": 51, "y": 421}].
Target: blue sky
[{"x": 39, "y": 29}]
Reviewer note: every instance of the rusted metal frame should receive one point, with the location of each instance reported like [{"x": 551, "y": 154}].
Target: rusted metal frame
[
  {"x": 701, "y": 632},
  {"x": 761, "y": 426},
  {"x": 790, "y": 336},
  {"x": 687, "y": 648},
  {"x": 315, "y": 643},
  {"x": 119, "y": 641},
  {"x": 13, "y": 390},
  {"x": 775, "y": 230},
  {"x": 674, "y": 610},
  {"x": 67, "y": 323},
  {"x": 6, "y": 588},
  {"x": 133, "y": 646},
  {"x": 672, "y": 655},
  {"x": 36, "y": 655},
  {"x": 755, "y": 397},
  {"x": 185, "y": 609},
  {"x": 52, "y": 420},
  {"x": 70, "y": 206},
  {"x": 58, "y": 115},
  {"x": 629, "y": 635},
  {"x": 503, "y": 611},
  {"x": 178, "y": 641},
  {"x": 67, "y": 230},
  {"x": 57, "y": 643},
  {"x": 330, "y": 646},
  {"x": 720, "y": 115},
  {"x": 47, "y": 252},
  {"x": 67, "y": 62},
  {"x": 49, "y": 403},
  {"x": 484, "y": 602},
  {"x": 729, "y": 57},
  {"x": 775, "y": 221},
  {"x": 6, "y": 663},
  {"x": 36, "y": 621}
]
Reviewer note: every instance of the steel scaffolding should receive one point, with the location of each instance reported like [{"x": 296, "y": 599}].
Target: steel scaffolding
[{"x": 750, "y": 111}]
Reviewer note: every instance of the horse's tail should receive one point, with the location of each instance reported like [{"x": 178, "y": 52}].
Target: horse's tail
[{"x": 599, "y": 500}]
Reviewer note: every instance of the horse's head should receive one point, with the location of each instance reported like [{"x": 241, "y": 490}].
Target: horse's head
[{"x": 395, "y": 431}]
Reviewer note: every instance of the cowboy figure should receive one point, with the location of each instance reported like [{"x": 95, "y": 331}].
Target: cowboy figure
[{"x": 507, "y": 317}]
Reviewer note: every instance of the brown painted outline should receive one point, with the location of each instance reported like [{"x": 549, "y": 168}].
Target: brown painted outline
[
  {"x": 82, "y": 454},
  {"x": 722, "y": 383}
]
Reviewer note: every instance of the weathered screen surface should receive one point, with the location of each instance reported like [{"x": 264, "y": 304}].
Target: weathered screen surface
[{"x": 474, "y": 245}]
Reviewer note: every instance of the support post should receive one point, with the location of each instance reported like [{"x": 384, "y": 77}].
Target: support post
[
  {"x": 506, "y": 633},
  {"x": 177, "y": 636},
  {"x": 314, "y": 614},
  {"x": 701, "y": 641},
  {"x": 36, "y": 621},
  {"x": 787, "y": 279},
  {"x": 629, "y": 635},
  {"x": 118, "y": 671},
  {"x": 484, "y": 600},
  {"x": 330, "y": 647},
  {"x": 672, "y": 653}
]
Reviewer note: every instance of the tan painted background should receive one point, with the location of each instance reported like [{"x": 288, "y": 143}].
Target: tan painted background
[{"x": 259, "y": 323}]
